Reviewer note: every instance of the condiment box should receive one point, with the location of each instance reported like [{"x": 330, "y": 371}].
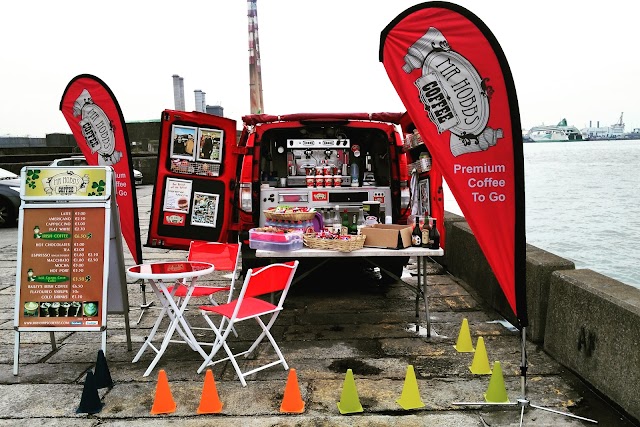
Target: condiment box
[
  {"x": 392, "y": 236},
  {"x": 275, "y": 237},
  {"x": 275, "y": 246}
]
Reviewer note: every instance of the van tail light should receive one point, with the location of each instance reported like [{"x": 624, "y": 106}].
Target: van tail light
[{"x": 245, "y": 197}]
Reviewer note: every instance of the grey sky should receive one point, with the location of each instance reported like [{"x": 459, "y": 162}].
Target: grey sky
[{"x": 572, "y": 60}]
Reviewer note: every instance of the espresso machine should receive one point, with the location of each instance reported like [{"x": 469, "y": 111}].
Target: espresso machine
[{"x": 328, "y": 157}]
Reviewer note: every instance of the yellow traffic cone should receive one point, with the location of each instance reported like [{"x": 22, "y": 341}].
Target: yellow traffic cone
[
  {"x": 410, "y": 397},
  {"x": 480, "y": 364},
  {"x": 496, "y": 393},
  {"x": 349, "y": 401},
  {"x": 464, "y": 345}
]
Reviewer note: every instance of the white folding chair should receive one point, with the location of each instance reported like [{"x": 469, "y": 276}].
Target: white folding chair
[{"x": 260, "y": 281}]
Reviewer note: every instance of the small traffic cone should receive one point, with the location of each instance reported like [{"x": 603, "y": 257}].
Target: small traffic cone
[
  {"x": 480, "y": 364},
  {"x": 292, "y": 400},
  {"x": 410, "y": 397},
  {"x": 209, "y": 401},
  {"x": 349, "y": 400},
  {"x": 496, "y": 393},
  {"x": 464, "y": 345},
  {"x": 163, "y": 402},
  {"x": 90, "y": 401},
  {"x": 102, "y": 374}
]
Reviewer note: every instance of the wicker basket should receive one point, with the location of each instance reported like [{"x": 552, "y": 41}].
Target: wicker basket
[
  {"x": 294, "y": 216},
  {"x": 342, "y": 245}
]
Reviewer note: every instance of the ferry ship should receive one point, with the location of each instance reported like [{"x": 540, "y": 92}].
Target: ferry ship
[{"x": 558, "y": 133}]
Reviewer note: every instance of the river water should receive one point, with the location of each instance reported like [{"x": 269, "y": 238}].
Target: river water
[{"x": 583, "y": 204}]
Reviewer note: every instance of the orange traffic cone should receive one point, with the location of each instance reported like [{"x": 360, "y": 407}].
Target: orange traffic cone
[
  {"x": 163, "y": 402},
  {"x": 209, "y": 401},
  {"x": 292, "y": 401}
]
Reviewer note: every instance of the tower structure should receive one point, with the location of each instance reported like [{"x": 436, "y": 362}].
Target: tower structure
[
  {"x": 178, "y": 92},
  {"x": 255, "y": 74}
]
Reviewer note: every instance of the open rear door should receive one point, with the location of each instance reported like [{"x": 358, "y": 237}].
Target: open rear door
[
  {"x": 430, "y": 194},
  {"x": 195, "y": 189}
]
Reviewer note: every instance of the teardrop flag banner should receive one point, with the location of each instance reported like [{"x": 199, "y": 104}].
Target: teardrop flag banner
[
  {"x": 98, "y": 126},
  {"x": 455, "y": 82}
]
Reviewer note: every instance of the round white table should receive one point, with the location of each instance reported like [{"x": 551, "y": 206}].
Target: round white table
[{"x": 161, "y": 275}]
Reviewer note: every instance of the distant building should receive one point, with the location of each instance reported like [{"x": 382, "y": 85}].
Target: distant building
[{"x": 216, "y": 110}]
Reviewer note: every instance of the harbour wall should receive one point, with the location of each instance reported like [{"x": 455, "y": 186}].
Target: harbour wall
[{"x": 588, "y": 322}]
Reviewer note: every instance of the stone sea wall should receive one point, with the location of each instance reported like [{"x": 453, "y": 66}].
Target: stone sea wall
[{"x": 588, "y": 322}]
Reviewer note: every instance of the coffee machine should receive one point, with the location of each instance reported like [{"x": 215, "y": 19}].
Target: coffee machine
[{"x": 318, "y": 157}]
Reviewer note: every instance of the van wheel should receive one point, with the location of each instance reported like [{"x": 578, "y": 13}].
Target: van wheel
[{"x": 7, "y": 217}]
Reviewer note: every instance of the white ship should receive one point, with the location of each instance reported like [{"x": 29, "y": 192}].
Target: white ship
[
  {"x": 558, "y": 133},
  {"x": 615, "y": 131}
]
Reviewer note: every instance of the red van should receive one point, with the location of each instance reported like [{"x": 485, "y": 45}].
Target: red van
[{"x": 213, "y": 183}]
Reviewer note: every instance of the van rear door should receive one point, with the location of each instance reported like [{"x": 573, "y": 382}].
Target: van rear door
[{"x": 194, "y": 197}]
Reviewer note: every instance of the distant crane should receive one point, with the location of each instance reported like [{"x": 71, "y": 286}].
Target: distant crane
[{"x": 255, "y": 74}]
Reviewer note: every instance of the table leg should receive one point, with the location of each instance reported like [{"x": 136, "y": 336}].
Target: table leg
[
  {"x": 419, "y": 260},
  {"x": 152, "y": 333},
  {"x": 425, "y": 296}
]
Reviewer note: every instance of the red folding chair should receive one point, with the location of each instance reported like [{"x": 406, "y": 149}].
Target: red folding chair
[
  {"x": 223, "y": 256},
  {"x": 261, "y": 281}
]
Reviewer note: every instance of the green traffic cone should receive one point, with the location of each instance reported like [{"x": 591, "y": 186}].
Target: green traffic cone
[
  {"x": 349, "y": 401},
  {"x": 410, "y": 397},
  {"x": 496, "y": 393}
]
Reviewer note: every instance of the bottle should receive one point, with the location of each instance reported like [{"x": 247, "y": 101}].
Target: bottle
[
  {"x": 337, "y": 221},
  {"x": 416, "y": 235},
  {"x": 425, "y": 230},
  {"x": 434, "y": 236},
  {"x": 327, "y": 218},
  {"x": 361, "y": 222},
  {"x": 345, "y": 223},
  {"x": 353, "y": 224}
]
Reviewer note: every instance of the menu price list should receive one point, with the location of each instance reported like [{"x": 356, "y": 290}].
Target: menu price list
[{"x": 61, "y": 272}]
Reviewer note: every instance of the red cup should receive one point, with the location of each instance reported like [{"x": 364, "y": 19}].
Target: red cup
[
  {"x": 328, "y": 181},
  {"x": 337, "y": 180},
  {"x": 319, "y": 180},
  {"x": 310, "y": 181}
]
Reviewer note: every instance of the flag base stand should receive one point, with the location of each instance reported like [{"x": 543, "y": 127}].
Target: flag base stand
[
  {"x": 144, "y": 305},
  {"x": 523, "y": 402}
]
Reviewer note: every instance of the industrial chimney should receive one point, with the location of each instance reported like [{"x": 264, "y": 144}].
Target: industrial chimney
[
  {"x": 200, "y": 101},
  {"x": 178, "y": 92}
]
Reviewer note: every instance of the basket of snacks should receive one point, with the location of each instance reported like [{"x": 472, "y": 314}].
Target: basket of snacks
[
  {"x": 290, "y": 213},
  {"x": 334, "y": 242}
]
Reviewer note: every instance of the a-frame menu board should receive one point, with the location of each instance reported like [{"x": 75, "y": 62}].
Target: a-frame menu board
[{"x": 65, "y": 240}]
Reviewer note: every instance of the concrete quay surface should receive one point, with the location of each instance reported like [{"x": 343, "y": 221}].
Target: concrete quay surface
[{"x": 329, "y": 325}]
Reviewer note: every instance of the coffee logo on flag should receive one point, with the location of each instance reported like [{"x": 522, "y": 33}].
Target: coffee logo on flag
[
  {"x": 454, "y": 95},
  {"x": 97, "y": 129}
]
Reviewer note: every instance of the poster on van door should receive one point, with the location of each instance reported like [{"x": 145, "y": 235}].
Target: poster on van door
[{"x": 455, "y": 82}]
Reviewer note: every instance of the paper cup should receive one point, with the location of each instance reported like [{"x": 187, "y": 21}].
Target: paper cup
[
  {"x": 310, "y": 180},
  {"x": 319, "y": 180}
]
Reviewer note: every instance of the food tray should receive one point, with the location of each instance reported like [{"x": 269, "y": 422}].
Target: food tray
[
  {"x": 342, "y": 244},
  {"x": 275, "y": 246},
  {"x": 270, "y": 236},
  {"x": 293, "y": 216}
]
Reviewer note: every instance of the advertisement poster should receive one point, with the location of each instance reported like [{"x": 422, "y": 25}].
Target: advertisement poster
[
  {"x": 61, "y": 271},
  {"x": 177, "y": 196},
  {"x": 205, "y": 209}
]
